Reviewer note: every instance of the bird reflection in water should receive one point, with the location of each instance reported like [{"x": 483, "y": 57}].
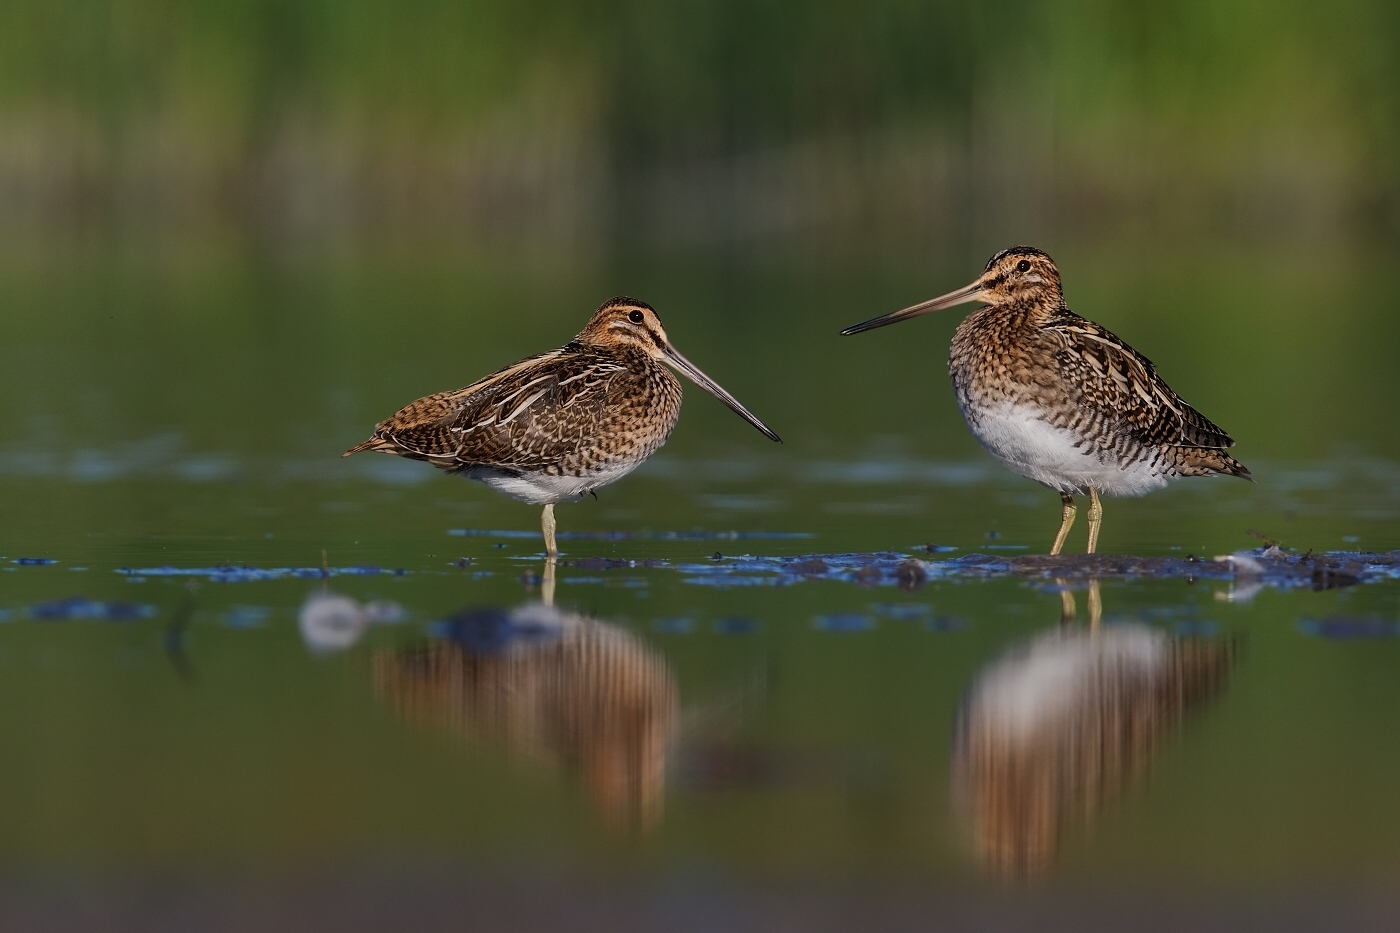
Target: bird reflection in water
[
  {"x": 552, "y": 686},
  {"x": 1060, "y": 725}
]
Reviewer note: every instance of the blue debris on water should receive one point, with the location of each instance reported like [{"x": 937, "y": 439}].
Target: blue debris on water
[
  {"x": 1347, "y": 628},
  {"x": 844, "y": 622},
  {"x": 1246, "y": 570},
  {"x": 735, "y": 625},
  {"x": 674, "y": 626},
  {"x": 879, "y": 568},
  {"x": 34, "y": 561},
  {"x": 78, "y": 607},
  {"x": 230, "y": 573}
]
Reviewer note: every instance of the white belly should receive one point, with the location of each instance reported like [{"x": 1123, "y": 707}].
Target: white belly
[
  {"x": 1040, "y": 451},
  {"x": 542, "y": 489}
]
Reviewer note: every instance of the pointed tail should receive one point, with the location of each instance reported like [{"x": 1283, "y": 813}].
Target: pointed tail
[{"x": 1208, "y": 461}]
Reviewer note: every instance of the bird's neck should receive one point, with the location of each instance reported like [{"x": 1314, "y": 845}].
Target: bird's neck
[{"x": 1018, "y": 313}]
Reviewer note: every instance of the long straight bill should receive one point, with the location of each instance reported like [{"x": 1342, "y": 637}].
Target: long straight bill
[
  {"x": 963, "y": 295},
  {"x": 694, "y": 374}
]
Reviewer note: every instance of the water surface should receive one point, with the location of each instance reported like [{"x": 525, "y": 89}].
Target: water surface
[{"x": 233, "y": 661}]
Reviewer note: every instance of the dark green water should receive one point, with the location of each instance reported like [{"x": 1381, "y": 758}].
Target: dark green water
[{"x": 189, "y": 412}]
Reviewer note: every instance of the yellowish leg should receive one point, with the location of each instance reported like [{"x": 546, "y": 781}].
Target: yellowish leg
[
  {"x": 1095, "y": 605},
  {"x": 547, "y": 583},
  {"x": 1066, "y": 520},
  {"x": 1095, "y": 519},
  {"x": 547, "y": 525}
]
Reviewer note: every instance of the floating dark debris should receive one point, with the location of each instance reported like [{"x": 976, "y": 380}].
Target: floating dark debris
[
  {"x": 864, "y": 568},
  {"x": 1261, "y": 567},
  {"x": 34, "y": 561},
  {"x": 870, "y": 575}
]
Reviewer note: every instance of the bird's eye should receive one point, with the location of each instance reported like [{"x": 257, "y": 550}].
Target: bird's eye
[
  {"x": 635, "y": 317},
  {"x": 1023, "y": 266}
]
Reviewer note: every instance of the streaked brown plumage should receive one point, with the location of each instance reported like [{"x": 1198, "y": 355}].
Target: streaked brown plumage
[
  {"x": 554, "y": 427},
  {"x": 1062, "y": 400}
]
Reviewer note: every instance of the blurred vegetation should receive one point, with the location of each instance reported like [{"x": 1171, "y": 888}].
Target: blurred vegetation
[{"x": 699, "y": 122}]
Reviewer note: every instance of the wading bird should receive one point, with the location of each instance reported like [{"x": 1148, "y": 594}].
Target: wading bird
[
  {"x": 1061, "y": 400},
  {"x": 555, "y": 427}
]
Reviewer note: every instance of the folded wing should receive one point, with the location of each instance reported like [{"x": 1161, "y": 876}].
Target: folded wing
[
  {"x": 526, "y": 416},
  {"x": 1121, "y": 385}
]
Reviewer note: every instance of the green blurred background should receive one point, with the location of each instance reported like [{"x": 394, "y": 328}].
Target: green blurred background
[
  {"x": 235, "y": 231},
  {"x": 588, "y": 126}
]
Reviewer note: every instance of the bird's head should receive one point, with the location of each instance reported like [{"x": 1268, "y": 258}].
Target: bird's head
[
  {"x": 1019, "y": 274},
  {"x": 627, "y": 322}
]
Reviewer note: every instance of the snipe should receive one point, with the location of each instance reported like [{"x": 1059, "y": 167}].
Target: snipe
[
  {"x": 1063, "y": 401},
  {"x": 554, "y": 427}
]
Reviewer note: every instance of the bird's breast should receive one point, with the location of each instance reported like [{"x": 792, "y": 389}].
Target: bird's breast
[
  {"x": 998, "y": 359},
  {"x": 1014, "y": 398}
]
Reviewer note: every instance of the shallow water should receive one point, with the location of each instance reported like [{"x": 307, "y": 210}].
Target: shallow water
[{"x": 773, "y": 677}]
